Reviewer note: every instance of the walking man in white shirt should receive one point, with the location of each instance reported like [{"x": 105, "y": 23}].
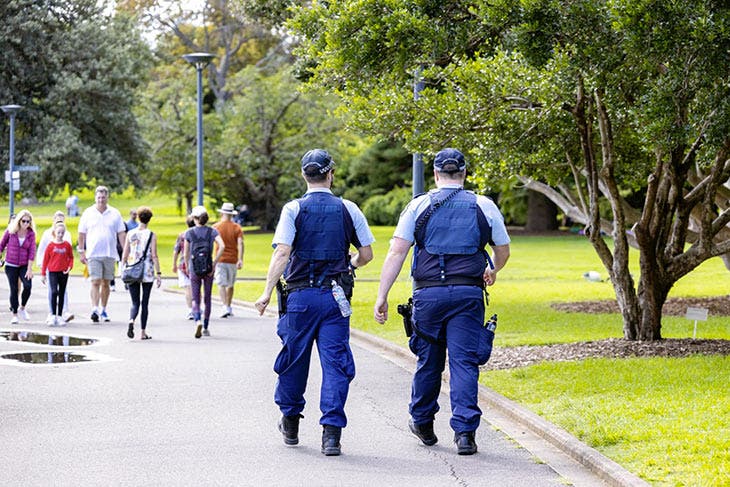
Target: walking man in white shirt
[{"x": 101, "y": 228}]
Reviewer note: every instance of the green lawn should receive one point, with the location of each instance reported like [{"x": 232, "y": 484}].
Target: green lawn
[{"x": 667, "y": 420}]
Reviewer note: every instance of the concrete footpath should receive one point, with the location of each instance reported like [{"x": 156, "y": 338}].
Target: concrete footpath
[{"x": 176, "y": 410}]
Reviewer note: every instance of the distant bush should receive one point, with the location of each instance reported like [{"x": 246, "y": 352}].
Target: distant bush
[{"x": 386, "y": 208}]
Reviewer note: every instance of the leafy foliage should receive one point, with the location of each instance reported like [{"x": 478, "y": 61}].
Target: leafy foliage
[
  {"x": 385, "y": 209},
  {"x": 586, "y": 101},
  {"x": 382, "y": 167},
  {"x": 257, "y": 120},
  {"x": 267, "y": 129},
  {"x": 74, "y": 70}
]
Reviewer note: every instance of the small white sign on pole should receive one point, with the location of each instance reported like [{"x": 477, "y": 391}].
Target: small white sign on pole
[{"x": 696, "y": 314}]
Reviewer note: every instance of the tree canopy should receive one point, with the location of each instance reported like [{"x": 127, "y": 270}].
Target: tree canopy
[
  {"x": 257, "y": 121},
  {"x": 592, "y": 102},
  {"x": 74, "y": 70}
]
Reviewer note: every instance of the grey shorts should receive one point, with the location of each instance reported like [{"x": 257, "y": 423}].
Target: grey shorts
[
  {"x": 101, "y": 268},
  {"x": 225, "y": 274}
]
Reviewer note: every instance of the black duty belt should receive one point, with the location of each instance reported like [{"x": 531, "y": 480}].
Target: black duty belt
[
  {"x": 296, "y": 285},
  {"x": 450, "y": 281}
]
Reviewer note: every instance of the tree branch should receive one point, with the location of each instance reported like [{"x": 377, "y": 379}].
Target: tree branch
[{"x": 578, "y": 186}]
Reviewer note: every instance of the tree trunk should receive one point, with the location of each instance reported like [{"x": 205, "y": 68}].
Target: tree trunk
[
  {"x": 652, "y": 296},
  {"x": 271, "y": 207},
  {"x": 542, "y": 214},
  {"x": 628, "y": 303},
  {"x": 189, "y": 202}
]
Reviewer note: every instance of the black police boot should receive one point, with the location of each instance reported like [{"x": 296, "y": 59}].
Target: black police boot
[
  {"x": 289, "y": 427},
  {"x": 465, "y": 444},
  {"x": 331, "y": 440},
  {"x": 424, "y": 432}
]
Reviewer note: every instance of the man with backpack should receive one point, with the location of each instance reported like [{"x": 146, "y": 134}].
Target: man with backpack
[
  {"x": 312, "y": 244},
  {"x": 450, "y": 228},
  {"x": 200, "y": 265}
]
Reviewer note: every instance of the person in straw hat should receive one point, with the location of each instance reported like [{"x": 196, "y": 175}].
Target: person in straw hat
[{"x": 232, "y": 258}]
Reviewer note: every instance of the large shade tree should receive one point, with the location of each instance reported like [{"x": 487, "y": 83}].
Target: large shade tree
[
  {"x": 586, "y": 101},
  {"x": 233, "y": 31},
  {"x": 257, "y": 123},
  {"x": 74, "y": 70},
  {"x": 267, "y": 129},
  {"x": 167, "y": 106}
]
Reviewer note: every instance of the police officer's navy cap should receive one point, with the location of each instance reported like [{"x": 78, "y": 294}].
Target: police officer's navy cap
[
  {"x": 449, "y": 160},
  {"x": 318, "y": 159}
]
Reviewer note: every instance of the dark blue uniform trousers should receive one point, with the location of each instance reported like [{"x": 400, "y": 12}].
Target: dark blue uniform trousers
[
  {"x": 453, "y": 317},
  {"x": 313, "y": 315}
]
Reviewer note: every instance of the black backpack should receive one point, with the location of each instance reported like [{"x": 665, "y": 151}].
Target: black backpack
[{"x": 200, "y": 253}]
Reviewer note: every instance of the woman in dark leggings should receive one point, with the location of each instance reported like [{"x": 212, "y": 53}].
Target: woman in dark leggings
[
  {"x": 134, "y": 250},
  {"x": 19, "y": 241},
  {"x": 201, "y": 235}
]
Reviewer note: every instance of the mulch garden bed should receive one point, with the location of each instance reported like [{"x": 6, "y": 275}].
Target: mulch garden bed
[
  {"x": 512, "y": 357},
  {"x": 717, "y": 306}
]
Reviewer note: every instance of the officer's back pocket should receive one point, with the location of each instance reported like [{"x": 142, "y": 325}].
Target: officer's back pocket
[{"x": 484, "y": 349}]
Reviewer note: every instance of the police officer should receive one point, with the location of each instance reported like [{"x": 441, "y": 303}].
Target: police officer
[
  {"x": 450, "y": 229},
  {"x": 312, "y": 249}
]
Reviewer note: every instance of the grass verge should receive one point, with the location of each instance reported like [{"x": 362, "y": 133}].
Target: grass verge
[{"x": 667, "y": 420}]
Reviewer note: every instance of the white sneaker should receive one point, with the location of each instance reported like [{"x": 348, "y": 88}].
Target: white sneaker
[
  {"x": 24, "y": 314},
  {"x": 68, "y": 317},
  {"x": 49, "y": 320},
  {"x": 60, "y": 321},
  {"x": 14, "y": 320}
]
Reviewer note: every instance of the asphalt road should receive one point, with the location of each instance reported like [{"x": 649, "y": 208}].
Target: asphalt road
[{"x": 181, "y": 411}]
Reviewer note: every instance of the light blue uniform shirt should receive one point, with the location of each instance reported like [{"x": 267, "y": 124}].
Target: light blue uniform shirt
[
  {"x": 286, "y": 230},
  {"x": 407, "y": 222}
]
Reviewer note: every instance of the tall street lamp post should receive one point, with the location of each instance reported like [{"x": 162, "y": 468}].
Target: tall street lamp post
[
  {"x": 11, "y": 110},
  {"x": 200, "y": 60},
  {"x": 418, "y": 179}
]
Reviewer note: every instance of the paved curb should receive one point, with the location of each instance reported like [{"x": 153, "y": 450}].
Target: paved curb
[{"x": 602, "y": 466}]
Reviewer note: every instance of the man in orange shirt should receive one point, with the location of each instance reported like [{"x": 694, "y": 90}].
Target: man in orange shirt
[{"x": 232, "y": 258}]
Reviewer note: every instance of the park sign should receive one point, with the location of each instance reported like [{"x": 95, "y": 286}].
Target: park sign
[
  {"x": 16, "y": 175},
  {"x": 27, "y": 168},
  {"x": 696, "y": 314},
  {"x": 18, "y": 169}
]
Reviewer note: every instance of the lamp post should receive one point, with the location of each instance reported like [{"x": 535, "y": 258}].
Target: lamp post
[
  {"x": 200, "y": 60},
  {"x": 11, "y": 110},
  {"x": 418, "y": 180}
]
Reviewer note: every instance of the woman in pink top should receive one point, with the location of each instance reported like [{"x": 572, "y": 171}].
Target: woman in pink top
[{"x": 19, "y": 241}]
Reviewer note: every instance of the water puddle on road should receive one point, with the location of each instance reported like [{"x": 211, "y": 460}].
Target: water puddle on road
[
  {"x": 45, "y": 339},
  {"x": 47, "y": 357}
]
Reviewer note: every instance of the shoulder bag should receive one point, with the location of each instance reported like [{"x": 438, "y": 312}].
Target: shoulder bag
[{"x": 135, "y": 272}]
